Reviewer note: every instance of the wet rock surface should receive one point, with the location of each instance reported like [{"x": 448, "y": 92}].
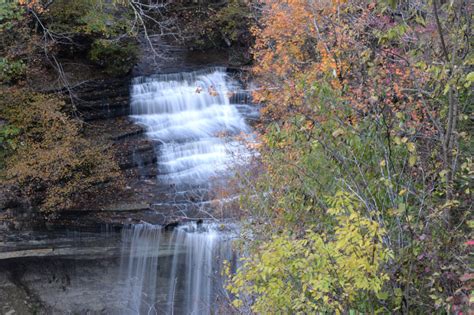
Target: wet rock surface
[{"x": 102, "y": 99}]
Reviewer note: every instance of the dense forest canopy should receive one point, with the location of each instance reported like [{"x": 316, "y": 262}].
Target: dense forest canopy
[{"x": 361, "y": 198}]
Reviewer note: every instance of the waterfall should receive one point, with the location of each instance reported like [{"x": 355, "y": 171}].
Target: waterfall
[
  {"x": 176, "y": 272},
  {"x": 139, "y": 265},
  {"x": 193, "y": 119},
  {"x": 191, "y": 116}
]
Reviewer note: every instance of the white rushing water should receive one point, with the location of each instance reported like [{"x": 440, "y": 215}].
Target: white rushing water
[
  {"x": 193, "y": 118},
  {"x": 175, "y": 272},
  {"x": 190, "y": 114}
]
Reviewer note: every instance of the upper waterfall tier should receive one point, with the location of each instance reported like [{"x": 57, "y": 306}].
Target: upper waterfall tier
[{"x": 192, "y": 115}]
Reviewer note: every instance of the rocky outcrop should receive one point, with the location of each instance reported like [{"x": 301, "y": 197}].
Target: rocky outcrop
[
  {"x": 62, "y": 286},
  {"x": 38, "y": 269},
  {"x": 102, "y": 99}
]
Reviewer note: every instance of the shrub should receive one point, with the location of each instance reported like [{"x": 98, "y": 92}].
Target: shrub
[
  {"x": 357, "y": 105},
  {"x": 11, "y": 71},
  {"x": 224, "y": 26},
  {"x": 52, "y": 164},
  {"x": 326, "y": 271},
  {"x": 7, "y": 141}
]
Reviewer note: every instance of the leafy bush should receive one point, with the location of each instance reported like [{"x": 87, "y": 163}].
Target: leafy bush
[
  {"x": 357, "y": 106},
  {"x": 7, "y": 141},
  {"x": 52, "y": 164},
  {"x": 322, "y": 272},
  {"x": 233, "y": 22},
  {"x": 9, "y": 13},
  {"x": 11, "y": 71},
  {"x": 89, "y": 17},
  {"x": 227, "y": 25},
  {"x": 37, "y": 34}
]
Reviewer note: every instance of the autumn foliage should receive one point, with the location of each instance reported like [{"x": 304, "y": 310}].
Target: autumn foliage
[
  {"x": 51, "y": 166},
  {"x": 367, "y": 98}
]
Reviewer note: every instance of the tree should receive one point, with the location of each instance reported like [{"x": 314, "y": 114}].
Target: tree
[{"x": 358, "y": 100}]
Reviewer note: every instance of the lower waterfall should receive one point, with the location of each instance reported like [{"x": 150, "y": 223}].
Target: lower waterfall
[{"x": 178, "y": 272}]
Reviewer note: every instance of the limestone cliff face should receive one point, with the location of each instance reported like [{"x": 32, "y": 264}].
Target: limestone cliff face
[{"x": 60, "y": 273}]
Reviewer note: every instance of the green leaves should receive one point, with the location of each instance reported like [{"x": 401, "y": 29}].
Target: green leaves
[
  {"x": 8, "y": 141},
  {"x": 10, "y": 13},
  {"x": 90, "y": 17},
  {"x": 393, "y": 33},
  {"x": 7, "y": 132},
  {"x": 11, "y": 70},
  {"x": 469, "y": 80},
  {"x": 320, "y": 272}
]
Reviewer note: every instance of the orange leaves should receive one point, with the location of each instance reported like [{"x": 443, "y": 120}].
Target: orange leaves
[
  {"x": 279, "y": 48},
  {"x": 53, "y": 153},
  {"x": 32, "y": 4},
  {"x": 296, "y": 45},
  {"x": 304, "y": 45}
]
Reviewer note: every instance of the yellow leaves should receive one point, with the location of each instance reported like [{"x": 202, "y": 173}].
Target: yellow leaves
[
  {"x": 338, "y": 132},
  {"x": 54, "y": 155},
  {"x": 411, "y": 147},
  {"x": 316, "y": 273},
  {"x": 237, "y": 303},
  {"x": 399, "y": 140},
  {"x": 412, "y": 157}
]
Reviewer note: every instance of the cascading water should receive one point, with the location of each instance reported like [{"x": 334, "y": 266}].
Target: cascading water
[
  {"x": 177, "y": 272},
  {"x": 188, "y": 114},
  {"x": 191, "y": 117}
]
